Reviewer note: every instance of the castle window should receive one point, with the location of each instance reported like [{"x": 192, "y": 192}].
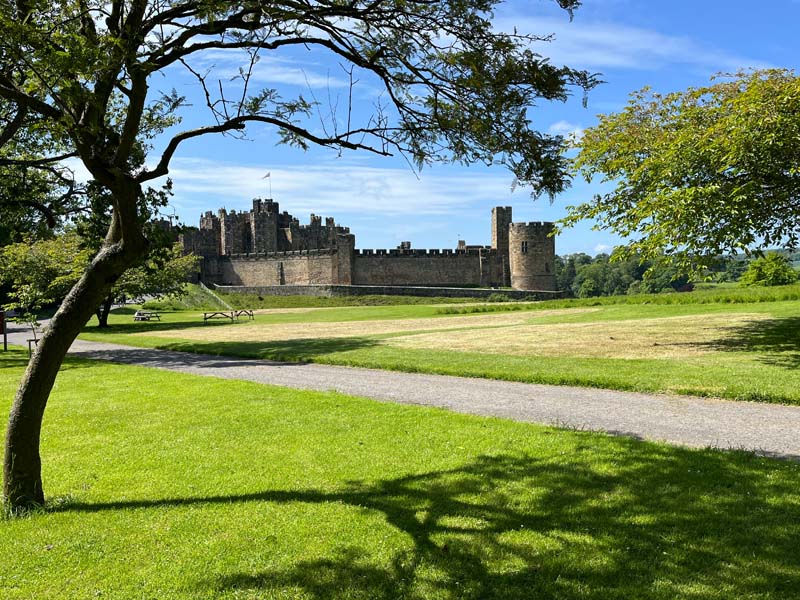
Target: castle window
[
  {"x": 524, "y": 247},
  {"x": 546, "y": 267}
]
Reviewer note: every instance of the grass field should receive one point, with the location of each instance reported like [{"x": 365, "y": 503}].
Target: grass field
[
  {"x": 197, "y": 299},
  {"x": 172, "y": 486},
  {"x": 741, "y": 344}
]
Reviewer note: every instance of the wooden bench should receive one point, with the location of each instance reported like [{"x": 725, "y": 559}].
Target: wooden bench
[
  {"x": 146, "y": 315},
  {"x": 248, "y": 312}
]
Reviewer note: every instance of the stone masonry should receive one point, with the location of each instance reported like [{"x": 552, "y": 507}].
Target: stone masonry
[{"x": 264, "y": 247}]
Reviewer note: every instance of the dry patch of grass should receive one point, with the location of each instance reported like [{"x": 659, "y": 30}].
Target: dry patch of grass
[
  {"x": 668, "y": 338},
  {"x": 265, "y": 332}
]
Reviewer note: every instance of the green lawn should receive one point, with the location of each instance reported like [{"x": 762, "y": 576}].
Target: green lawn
[
  {"x": 732, "y": 349},
  {"x": 172, "y": 486}
]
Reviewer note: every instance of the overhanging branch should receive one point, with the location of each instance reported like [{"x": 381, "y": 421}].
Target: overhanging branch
[
  {"x": 35, "y": 162},
  {"x": 239, "y": 123}
]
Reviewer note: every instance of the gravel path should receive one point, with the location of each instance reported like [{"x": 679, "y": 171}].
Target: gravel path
[{"x": 768, "y": 429}]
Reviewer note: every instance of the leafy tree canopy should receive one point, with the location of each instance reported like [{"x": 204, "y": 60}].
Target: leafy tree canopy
[
  {"x": 35, "y": 197},
  {"x": 604, "y": 275},
  {"x": 701, "y": 172},
  {"x": 40, "y": 273}
]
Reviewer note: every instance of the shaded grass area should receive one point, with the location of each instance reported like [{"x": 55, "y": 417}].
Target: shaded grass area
[
  {"x": 201, "y": 488},
  {"x": 777, "y": 341}
]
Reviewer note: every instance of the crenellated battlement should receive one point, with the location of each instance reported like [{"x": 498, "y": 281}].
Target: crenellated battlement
[
  {"x": 532, "y": 226},
  {"x": 432, "y": 253},
  {"x": 285, "y": 254}
]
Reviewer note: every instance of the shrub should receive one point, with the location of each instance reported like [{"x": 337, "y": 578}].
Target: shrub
[{"x": 769, "y": 270}]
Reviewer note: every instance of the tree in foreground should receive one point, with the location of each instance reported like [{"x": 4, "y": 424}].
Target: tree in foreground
[
  {"x": 772, "y": 269},
  {"x": 699, "y": 173},
  {"x": 80, "y": 71}
]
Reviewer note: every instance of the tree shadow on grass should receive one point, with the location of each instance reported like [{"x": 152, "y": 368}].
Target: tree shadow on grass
[
  {"x": 207, "y": 355},
  {"x": 153, "y": 327},
  {"x": 776, "y": 340},
  {"x": 13, "y": 358},
  {"x": 17, "y": 358},
  {"x": 296, "y": 350},
  {"x": 617, "y": 520}
]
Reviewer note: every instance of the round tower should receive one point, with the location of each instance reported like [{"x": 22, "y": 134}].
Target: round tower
[{"x": 532, "y": 256}]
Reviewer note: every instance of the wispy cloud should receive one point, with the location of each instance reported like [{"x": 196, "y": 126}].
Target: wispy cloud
[
  {"x": 269, "y": 70},
  {"x": 334, "y": 189},
  {"x": 598, "y": 45},
  {"x": 566, "y": 129}
]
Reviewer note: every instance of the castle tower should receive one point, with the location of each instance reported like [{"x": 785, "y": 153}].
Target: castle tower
[
  {"x": 532, "y": 253},
  {"x": 264, "y": 226},
  {"x": 345, "y": 257},
  {"x": 501, "y": 221},
  {"x": 235, "y": 232}
]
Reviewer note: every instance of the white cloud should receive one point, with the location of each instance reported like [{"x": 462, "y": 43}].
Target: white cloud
[
  {"x": 269, "y": 70},
  {"x": 332, "y": 189},
  {"x": 566, "y": 129},
  {"x": 602, "y": 249},
  {"x": 601, "y": 46}
]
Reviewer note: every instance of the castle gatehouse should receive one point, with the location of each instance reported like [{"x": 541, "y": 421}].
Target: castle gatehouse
[{"x": 265, "y": 248}]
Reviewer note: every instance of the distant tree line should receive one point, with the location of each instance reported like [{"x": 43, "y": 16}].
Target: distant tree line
[{"x": 584, "y": 276}]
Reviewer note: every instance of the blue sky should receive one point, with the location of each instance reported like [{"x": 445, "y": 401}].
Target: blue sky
[{"x": 668, "y": 45}]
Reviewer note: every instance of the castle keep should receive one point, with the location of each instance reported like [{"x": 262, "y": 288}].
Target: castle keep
[{"x": 264, "y": 247}]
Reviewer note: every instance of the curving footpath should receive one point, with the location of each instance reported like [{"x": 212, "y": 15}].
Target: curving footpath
[{"x": 768, "y": 429}]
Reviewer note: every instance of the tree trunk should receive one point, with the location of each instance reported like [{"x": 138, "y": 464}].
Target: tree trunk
[
  {"x": 104, "y": 310},
  {"x": 124, "y": 247}
]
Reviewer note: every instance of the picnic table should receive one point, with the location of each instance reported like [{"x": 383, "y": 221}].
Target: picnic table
[
  {"x": 232, "y": 315},
  {"x": 146, "y": 315},
  {"x": 219, "y": 314}
]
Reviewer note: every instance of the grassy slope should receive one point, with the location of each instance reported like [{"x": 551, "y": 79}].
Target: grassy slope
[
  {"x": 171, "y": 486},
  {"x": 759, "y": 364}
]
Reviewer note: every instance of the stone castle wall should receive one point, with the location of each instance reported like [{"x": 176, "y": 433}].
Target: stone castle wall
[
  {"x": 328, "y": 291},
  {"x": 424, "y": 268},
  {"x": 263, "y": 247},
  {"x": 289, "y": 268}
]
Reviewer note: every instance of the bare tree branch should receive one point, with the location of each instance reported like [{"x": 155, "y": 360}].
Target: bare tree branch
[{"x": 239, "y": 123}]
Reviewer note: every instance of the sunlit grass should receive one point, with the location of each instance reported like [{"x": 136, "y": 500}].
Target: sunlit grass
[{"x": 164, "y": 485}]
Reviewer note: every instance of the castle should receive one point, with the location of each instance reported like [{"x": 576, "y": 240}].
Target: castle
[{"x": 264, "y": 247}]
